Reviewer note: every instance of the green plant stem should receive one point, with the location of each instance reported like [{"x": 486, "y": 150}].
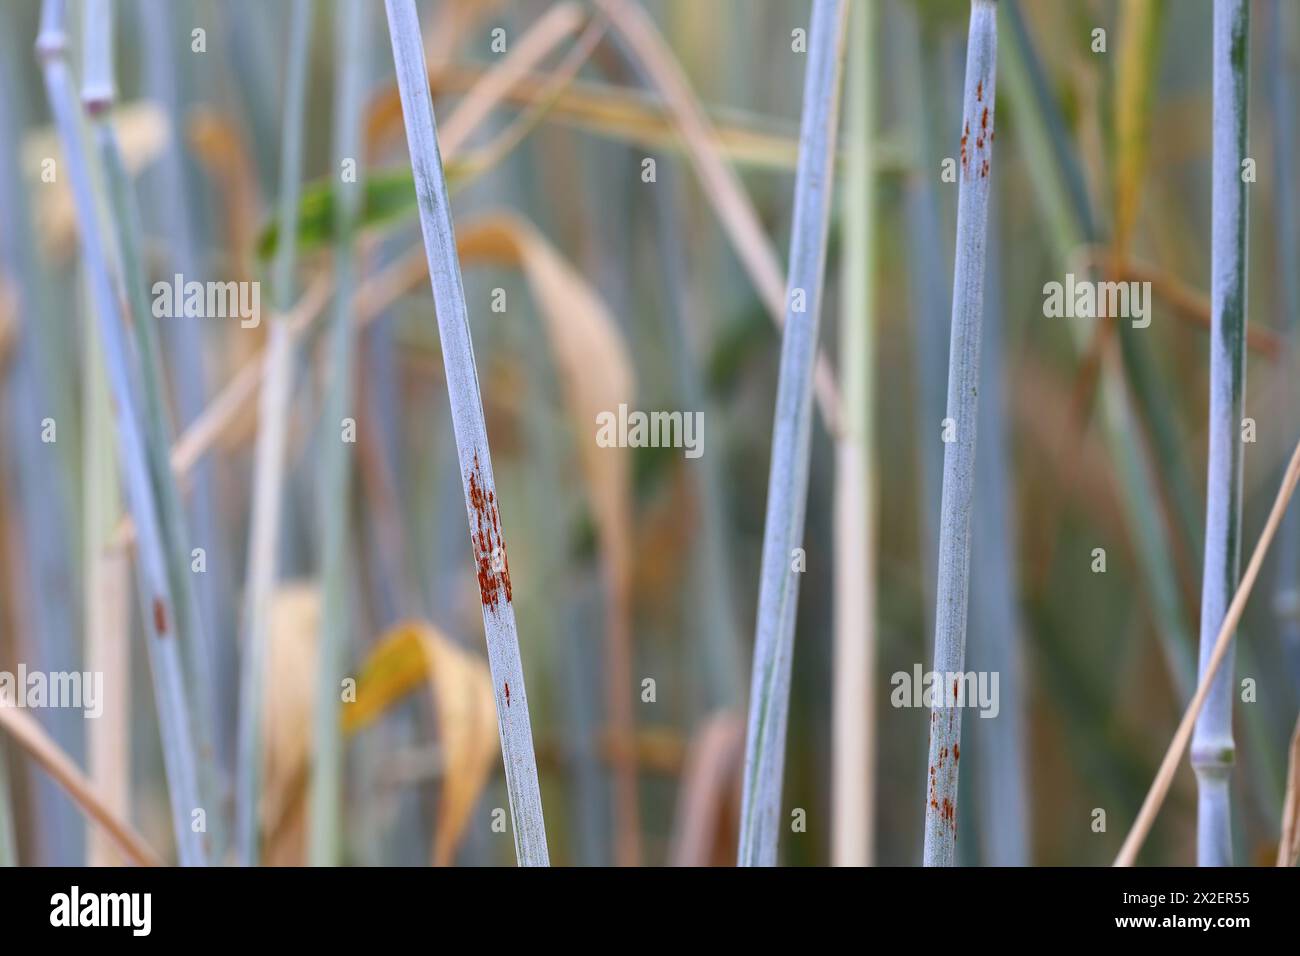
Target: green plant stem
[
  {"x": 269, "y": 462},
  {"x": 326, "y": 811}
]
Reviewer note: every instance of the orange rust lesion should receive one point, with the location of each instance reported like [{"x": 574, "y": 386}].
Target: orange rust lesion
[
  {"x": 159, "y": 618},
  {"x": 492, "y": 564}
]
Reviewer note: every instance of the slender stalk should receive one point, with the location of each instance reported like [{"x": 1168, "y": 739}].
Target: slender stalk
[
  {"x": 326, "y": 813},
  {"x": 108, "y": 583},
  {"x": 1058, "y": 186},
  {"x": 722, "y": 186},
  {"x": 38, "y": 388},
  {"x": 210, "y": 664},
  {"x": 470, "y": 430},
  {"x": 959, "y": 453},
  {"x": 158, "y": 606},
  {"x": 1212, "y": 744},
  {"x": 1282, "y": 40},
  {"x": 1220, "y": 648},
  {"x": 268, "y": 467},
  {"x": 853, "y": 694},
  {"x": 29, "y": 737},
  {"x": 98, "y": 96},
  {"x": 721, "y": 657},
  {"x": 787, "y": 489}
]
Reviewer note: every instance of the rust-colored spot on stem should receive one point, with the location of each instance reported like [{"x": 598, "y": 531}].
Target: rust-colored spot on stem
[
  {"x": 159, "y": 617},
  {"x": 492, "y": 564}
]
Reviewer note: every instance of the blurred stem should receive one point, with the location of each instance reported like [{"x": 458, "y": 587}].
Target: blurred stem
[
  {"x": 108, "y": 629},
  {"x": 1003, "y": 806},
  {"x": 269, "y": 463},
  {"x": 1213, "y": 750},
  {"x": 853, "y": 694},
  {"x": 175, "y": 199},
  {"x": 1139, "y": 61},
  {"x": 1057, "y": 183},
  {"x": 1282, "y": 72},
  {"x": 326, "y": 813},
  {"x": 722, "y": 186},
  {"x": 158, "y": 607},
  {"x": 928, "y": 269},
  {"x": 787, "y": 494},
  {"x": 722, "y": 650},
  {"x": 40, "y": 388},
  {"x": 98, "y": 96}
]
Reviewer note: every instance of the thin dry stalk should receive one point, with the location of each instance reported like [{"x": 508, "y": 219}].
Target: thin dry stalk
[
  {"x": 1288, "y": 847},
  {"x": 1219, "y": 650},
  {"x": 27, "y": 733},
  {"x": 853, "y": 731}
]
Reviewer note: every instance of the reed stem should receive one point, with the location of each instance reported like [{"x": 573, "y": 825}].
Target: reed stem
[
  {"x": 474, "y": 455},
  {"x": 853, "y": 693},
  {"x": 787, "y": 488},
  {"x": 959, "y": 453},
  {"x": 269, "y": 461},
  {"x": 157, "y": 604},
  {"x": 326, "y": 811},
  {"x": 1213, "y": 749}
]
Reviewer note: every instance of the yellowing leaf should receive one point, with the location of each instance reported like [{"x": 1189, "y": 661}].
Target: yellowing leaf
[
  {"x": 595, "y": 371},
  {"x": 218, "y": 143},
  {"x": 407, "y": 656},
  {"x": 616, "y": 113}
]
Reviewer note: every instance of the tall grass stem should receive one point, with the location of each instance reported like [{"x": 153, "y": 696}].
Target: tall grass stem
[
  {"x": 787, "y": 488},
  {"x": 1213, "y": 749},
  {"x": 269, "y": 460},
  {"x": 473, "y": 453},
  {"x": 955, "y": 510}
]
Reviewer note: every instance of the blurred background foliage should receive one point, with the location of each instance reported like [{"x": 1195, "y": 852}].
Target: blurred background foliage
[{"x": 1104, "y": 164}]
